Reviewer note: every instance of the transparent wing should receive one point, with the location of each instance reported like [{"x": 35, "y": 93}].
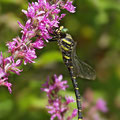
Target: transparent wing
[{"x": 81, "y": 69}]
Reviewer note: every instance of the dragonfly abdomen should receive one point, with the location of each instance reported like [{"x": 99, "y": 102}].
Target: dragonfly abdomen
[{"x": 66, "y": 46}]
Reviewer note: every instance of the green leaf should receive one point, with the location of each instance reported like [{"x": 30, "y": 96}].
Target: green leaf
[{"x": 48, "y": 58}]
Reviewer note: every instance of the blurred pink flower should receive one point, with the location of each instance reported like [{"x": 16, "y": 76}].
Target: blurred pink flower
[
  {"x": 93, "y": 108},
  {"x": 101, "y": 105}
]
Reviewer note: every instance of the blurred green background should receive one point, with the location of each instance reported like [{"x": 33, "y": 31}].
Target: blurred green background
[{"x": 96, "y": 28}]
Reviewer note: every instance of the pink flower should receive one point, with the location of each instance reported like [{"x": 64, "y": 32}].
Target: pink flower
[
  {"x": 74, "y": 114},
  {"x": 68, "y": 6},
  {"x": 59, "y": 83},
  {"x": 69, "y": 100},
  {"x": 29, "y": 54},
  {"x": 7, "y": 84},
  {"x": 101, "y": 105},
  {"x": 11, "y": 65},
  {"x": 39, "y": 44},
  {"x": 2, "y": 71},
  {"x": 56, "y": 107},
  {"x": 91, "y": 108},
  {"x": 3, "y": 74}
]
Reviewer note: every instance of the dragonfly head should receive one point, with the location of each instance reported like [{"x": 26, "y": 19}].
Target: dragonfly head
[{"x": 62, "y": 31}]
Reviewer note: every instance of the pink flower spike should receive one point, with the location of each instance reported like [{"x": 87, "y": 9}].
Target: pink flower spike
[
  {"x": 43, "y": 18},
  {"x": 57, "y": 108}
]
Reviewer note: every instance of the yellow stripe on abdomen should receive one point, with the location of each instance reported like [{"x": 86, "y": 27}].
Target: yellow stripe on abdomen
[
  {"x": 67, "y": 57},
  {"x": 64, "y": 48},
  {"x": 66, "y": 41}
]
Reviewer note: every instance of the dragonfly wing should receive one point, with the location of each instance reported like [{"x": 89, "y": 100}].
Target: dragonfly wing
[{"x": 82, "y": 69}]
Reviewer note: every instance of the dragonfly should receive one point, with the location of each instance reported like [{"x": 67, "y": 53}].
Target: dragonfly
[{"x": 76, "y": 67}]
